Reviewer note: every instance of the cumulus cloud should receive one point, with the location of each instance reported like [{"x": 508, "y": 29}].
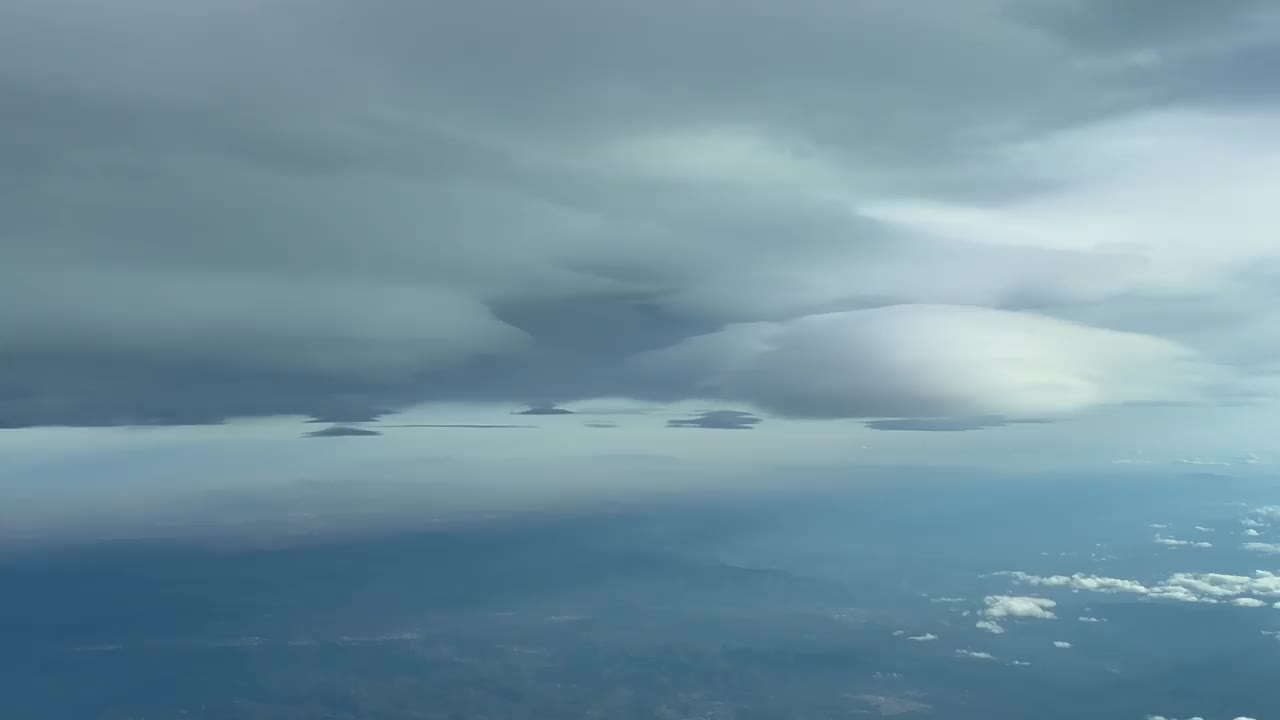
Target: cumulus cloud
[
  {"x": 1089, "y": 619},
  {"x": 1261, "y": 547},
  {"x": 1193, "y": 718},
  {"x": 1015, "y": 606},
  {"x": 1248, "y": 603},
  {"x": 927, "y": 637},
  {"x": 1079, "y": 581},
  {"x": 975, "y": 654},
  {"x": 1061, "y": 645},
  {"x": 1209, "y": 588},
  {"x": 990, "y": 626}
]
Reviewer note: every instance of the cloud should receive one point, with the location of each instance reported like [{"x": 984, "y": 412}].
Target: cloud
[
  {"x": 1250, "y": 532},
  {"x": 970, "y": 361},
  {"x": 990, "y": 626},
  {"x": 1260, "y": 547},
  {"x": 1061, "y": 644},
  {"x": 927, "y": 637},
  {"x": 1174, "y": 542},
  {"x": 548, "y": 205},
  {"x": 1248, "y": 603},
  {"x": 1092, "y": 583},
  {"x": 1012, "y": 606},
  {"x": 342, "y": 431},
  {"x": 975, "y": 655},
  {"x": 718, "y": 420},
  {"x": 946, "y": 424},
  {"x": 1209, "y": 588},
  {"x": 465, "y": 426},
  {"x": 1162, "y": 717},
  {"x": 544, "y": 410},
  {"x": 1088, "y": 619}
]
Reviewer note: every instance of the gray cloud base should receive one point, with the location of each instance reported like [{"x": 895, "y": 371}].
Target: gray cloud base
[{"x": 374, "y": 204}]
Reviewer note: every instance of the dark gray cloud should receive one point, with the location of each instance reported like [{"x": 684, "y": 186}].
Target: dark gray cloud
[
  {"x": 378, "y": 203},
  {"x": 718, "y": 420},
  {"x": 946, "y": 424},
  {"x": 544, "y": 410},
  {"x": 469, "y": 426},
  {"x": 342, "y": 431}
]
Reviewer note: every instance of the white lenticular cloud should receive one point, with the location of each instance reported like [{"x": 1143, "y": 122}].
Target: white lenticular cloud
[
  {"x": 1015, "y": 606},
  {"x": 967, "y": 361},
  {"x": 1061, "y": 644}
]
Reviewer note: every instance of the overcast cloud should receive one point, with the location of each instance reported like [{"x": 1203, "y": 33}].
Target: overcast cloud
[{"x": 996, "y": 208}]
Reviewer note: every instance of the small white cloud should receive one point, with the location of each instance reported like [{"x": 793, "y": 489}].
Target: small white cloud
[
  {"x": 899, "y": 633},
  {"x": 1250, "y": 532},
  {"x": 1248, "y": 602},
  {"x": 1002, "y": 606},
  {"x": 946, "y": 600},
  {"x": 1202, "y": 528},
  {"x": 1087, "y": 619},
  {"x": 1157, "y": 526},
  {"x": 1198, "y": 461},
  {"x": 927, "y": 637},
  {"x": 1264, "y": 548},
  {"x": 1020, "y": 663},
  {"x": 975, "y": 655},
  {"x": 990, "y": 626},
  {"x": 1061, "y": 644},
  {"x": 1174, "y": 542}
]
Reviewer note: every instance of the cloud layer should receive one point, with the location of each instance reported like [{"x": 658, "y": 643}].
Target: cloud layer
[{"x": 1045, "y": 207}]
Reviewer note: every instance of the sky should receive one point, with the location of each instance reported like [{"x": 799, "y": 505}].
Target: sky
[{"x": 726, "y": 235}]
